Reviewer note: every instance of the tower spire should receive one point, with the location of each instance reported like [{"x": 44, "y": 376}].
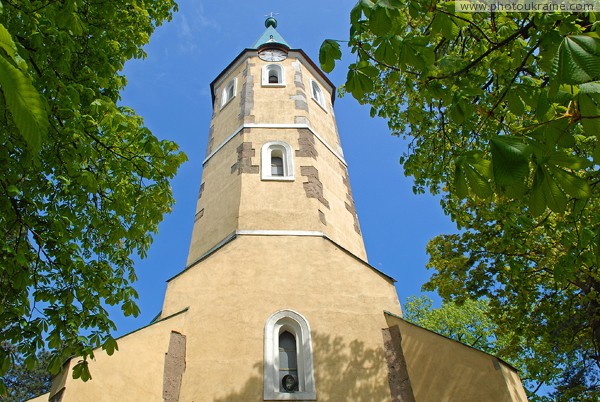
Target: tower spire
[
  {"x": 270, "y": 36},
  {"x": 271, "y": 21}
]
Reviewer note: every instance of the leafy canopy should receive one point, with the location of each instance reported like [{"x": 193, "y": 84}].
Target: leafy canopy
[
  {"x": 502, "y": 115},
  {"x": 23, "y": 383},
  {"x": 83, "y": 182},
  {"x": 467, "y": 323}
]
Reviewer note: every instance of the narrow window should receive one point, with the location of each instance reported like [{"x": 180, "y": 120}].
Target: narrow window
[
  {"x": 277, "y": 162},
  {"x": 288, "y": 360},
  {"x": 272, "y": 75},
  {"x": 288, "y": 363},
  {"x": 276, "y": 165},
  {"x": 228, "y": 92},
  {"x": 317, "y": 93}
]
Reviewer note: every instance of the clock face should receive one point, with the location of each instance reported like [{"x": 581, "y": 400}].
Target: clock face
[{"x": 272, "y": 55}]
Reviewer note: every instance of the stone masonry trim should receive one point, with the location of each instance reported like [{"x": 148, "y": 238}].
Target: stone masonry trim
[
  {"x": 174, "y": 367},
  {"x": 350, "y": 206},
  {"x": 244, "y": 161},
  {"x": 399, "y": 381},
  {"x": 307, "y": 144},
  {"x": 313, "y": 187}
]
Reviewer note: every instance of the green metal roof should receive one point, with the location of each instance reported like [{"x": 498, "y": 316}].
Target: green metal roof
[{"x": 270, "y": 35}]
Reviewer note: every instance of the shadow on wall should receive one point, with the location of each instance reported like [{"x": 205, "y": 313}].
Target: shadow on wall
[{"x": 344, "y": 371}]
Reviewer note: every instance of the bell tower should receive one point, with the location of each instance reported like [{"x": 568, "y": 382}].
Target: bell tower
[
  {"x": 277, "y": 301},
  {"x": 277, "y": 256},
  {"x": 274, "y": 162}
]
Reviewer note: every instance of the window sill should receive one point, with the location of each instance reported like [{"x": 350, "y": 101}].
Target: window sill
[
  {"x": 320, "y": 105},
  {"x": 228, "y": 102},
  {"x": 278, "y": 178},
  {"x": 278, "y": 85},
  {"x": 294, "y": 396}
]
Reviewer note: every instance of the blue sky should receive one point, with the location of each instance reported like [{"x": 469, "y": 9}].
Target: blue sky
[{"x": 170, "y": 89}]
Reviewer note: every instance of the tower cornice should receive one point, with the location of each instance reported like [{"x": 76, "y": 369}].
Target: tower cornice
[
  {"x": 247, "y": 53},
  {"x": 277, "y": 126},
  {"x": 280, "y": 233}
]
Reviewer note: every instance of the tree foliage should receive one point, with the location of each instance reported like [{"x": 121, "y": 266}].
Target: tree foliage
[
  {"x": 23, "y": 383},
  {"x": 83, "y": 182},
  {"x": 467, "y": 323},
  {"x": 503, "y": 119}
]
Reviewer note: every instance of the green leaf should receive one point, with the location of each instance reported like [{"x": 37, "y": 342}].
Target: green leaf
[
  {"x": 554, "y": 196},
  {"x": 13, "y": 190},
  {"x": 110, "y": 345},
  {"x": 24, "y": 103},
  {"x": 328, "y": 54},
  {"x": 477, "y": 171},
  {"x": 537, "y": 201},
  {"x": 360, "y": 80},
  {"x": 515, "y": 104},
  {"x": 573, "y": 185},
  {"x": 568, "y": 161},
  {"x": 81, "y": 370},
  {"x": 386, "y": 53},
  {"x": 563, "y": 273},
  {"x": 510, "y": 161},
  {"x": 8, "y": 45},
  {"x": 443, "y": 24},
  {"x": 380, "y": 22},
  {"x": 4, "y": 363},
  {"x": 589, "y": 107},
  {"x": 367, "y": 4},
  {"x": 577, "y": 60},
  {"x": 542, "y": 110},
  {"x": 460, "y": 181}
]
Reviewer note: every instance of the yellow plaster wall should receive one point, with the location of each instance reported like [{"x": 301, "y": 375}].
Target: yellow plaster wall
[
  {"x": 275, "y": 205},
  {"x": 220, "y": 200},
  {"x": 41, "y": 398},
  {"x": 227, "y": 119},
  {"x": 232, "y": 201},
  {"x": 233, "y": 292},
  {"x": 441, "y": 369},
  {"x": 133, "y": 373},
  {"x": 276, "y": 105},
  {"x": 284, "y": 205}
]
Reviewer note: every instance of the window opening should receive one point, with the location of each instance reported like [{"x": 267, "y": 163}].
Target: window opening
[
  {"x": 277, "y": 163},
  {"x": 288, "y": 363},
  {"x": 317, "y": 94},
  {"x": 228, "y": 92},
  {"x": 273, "y": 75}
]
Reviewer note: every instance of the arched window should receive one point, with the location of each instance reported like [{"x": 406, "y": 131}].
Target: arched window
[
  {"x": 228, "y": 92},
  {"x": 272, "y": 75},
  {"x": 288, "y": 358},
  {"x": 277, "y": 163},
  {"x": 288, "y": 363},
  {"x": 317, "y": 93}
]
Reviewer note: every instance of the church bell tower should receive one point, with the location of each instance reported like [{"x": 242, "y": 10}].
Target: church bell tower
[
  {"x": 274, "y": 163},
  {"x": 277, "y": 276},
  {"x": 277, "y": 300}
]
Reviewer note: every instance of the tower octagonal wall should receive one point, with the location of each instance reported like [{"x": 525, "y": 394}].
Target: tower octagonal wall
[{"x": 296, "y": 111}]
